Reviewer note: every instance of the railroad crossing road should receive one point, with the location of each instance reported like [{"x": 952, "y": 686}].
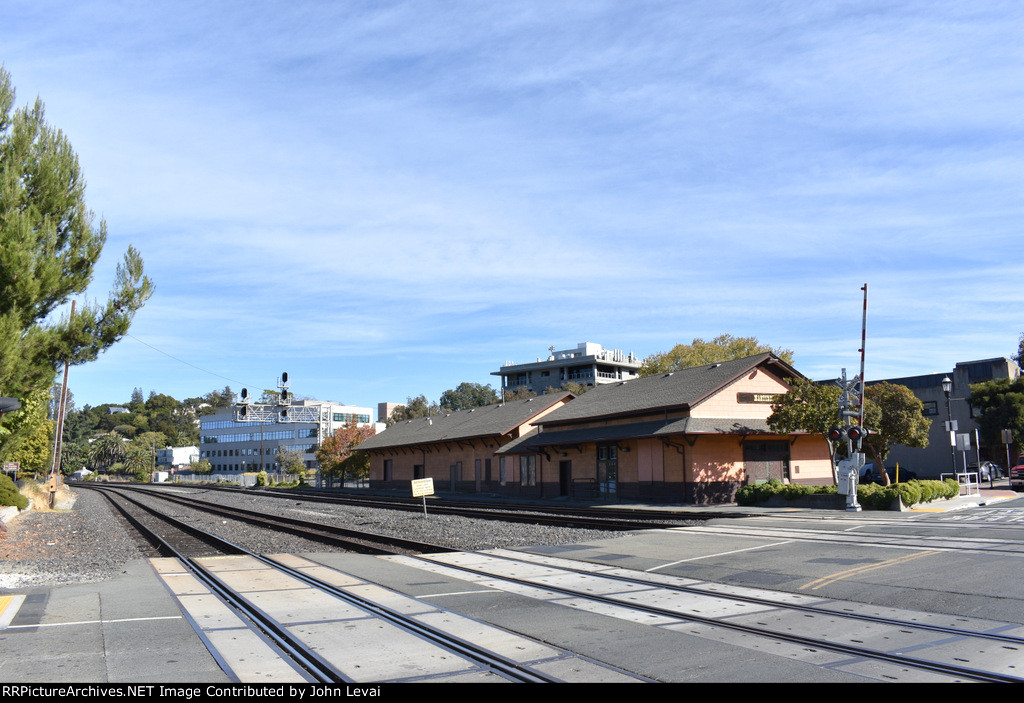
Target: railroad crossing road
[{"x": 150, "y": 625}]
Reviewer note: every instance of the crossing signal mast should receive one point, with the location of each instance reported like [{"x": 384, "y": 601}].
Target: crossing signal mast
[{"x": 851, "y": 407}]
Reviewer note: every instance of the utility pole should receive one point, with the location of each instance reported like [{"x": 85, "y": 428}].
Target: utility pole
[{"x": 59, "y": 431}]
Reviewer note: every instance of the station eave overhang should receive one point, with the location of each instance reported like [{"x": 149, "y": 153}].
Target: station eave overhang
[{"x": 657, "y": 429}]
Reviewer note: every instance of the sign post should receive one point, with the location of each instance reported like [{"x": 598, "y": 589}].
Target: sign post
[{"x": 423, "y": 487}]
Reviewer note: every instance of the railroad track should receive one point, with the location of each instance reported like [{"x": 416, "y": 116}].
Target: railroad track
[
  {"x": 557, "y": 516},
  {"x": 901, "y": 646},
  {"x": 180, "y": 541},
  {"x": 358, "y": 541},
  {"x": 992, "y": 652}
]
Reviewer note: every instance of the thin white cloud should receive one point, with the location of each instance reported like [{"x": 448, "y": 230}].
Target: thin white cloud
[{"x": 411, "y": 186}]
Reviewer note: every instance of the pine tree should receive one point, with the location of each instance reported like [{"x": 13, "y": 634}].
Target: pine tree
[{"x": 49, "y": 246}]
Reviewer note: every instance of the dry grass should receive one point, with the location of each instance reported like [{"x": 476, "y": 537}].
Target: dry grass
[{"x": 39, "y": 494}]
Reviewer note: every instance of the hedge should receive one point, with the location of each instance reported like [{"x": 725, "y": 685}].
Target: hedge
[
  {"x": 869, "y": 495},
  {"x": 9, "y": 494}
]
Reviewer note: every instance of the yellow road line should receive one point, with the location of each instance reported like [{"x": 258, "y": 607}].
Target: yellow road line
[{"x": 825, "y": 580}]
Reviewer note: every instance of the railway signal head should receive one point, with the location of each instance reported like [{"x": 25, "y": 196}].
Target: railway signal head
[
  {"x": 837, "y": 434},
  {"x": 857, "y": 433}
]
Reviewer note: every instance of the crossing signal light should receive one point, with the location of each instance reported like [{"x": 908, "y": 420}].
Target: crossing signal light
[
  {"x": 856, "y": 432},
  {"x": 837, "y": 434}
]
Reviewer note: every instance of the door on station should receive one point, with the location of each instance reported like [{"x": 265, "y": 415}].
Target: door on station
[
  {"x": 766, "y": 460},
  {"x": 607, "y": 470},
  {"x": 564, "y": 478}
]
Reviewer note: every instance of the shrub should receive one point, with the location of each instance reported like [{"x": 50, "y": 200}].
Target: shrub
[
  {"x": 869, "y": 495},
  {"x": 9, "y": 494},
  {"x": 755, "y": 493}
]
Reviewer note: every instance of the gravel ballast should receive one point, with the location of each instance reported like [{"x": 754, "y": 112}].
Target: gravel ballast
[
  {"x": 91, "y": 543},
  {"x": 84, "y": 544}
]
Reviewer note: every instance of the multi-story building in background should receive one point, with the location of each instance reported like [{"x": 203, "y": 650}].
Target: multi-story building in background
[
  {"x": 172, "y": 458},
  {"x": 589, "y": 364},
  {"x": 234, "y": 443},
  {"x": 941, "y": 456}
]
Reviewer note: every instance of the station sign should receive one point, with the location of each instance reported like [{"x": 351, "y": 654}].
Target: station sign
[{"x": 422, "y": 487}]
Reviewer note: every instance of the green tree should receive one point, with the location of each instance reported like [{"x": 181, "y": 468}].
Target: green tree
[
  {"x": 807, "y": 407},
  {"x": 468, "y": 395},
  {"x": 49, "y": 246},
  {"x": 107, "y": 450},
  {"x": 520, "y": 393},
  {"x": 28, "y": 436},
  {"x": 413, "y": 408},
  {"x": 574, "y": 387},
  {"x": 201, "y": 466},
  {"x": 291, "y": 461},
  {"x": 1000, "y": 406},
  {"x": 724, "y": 347},
  {"x": 894, "y": 415},
  {"x": 73, "y": 456},
  {"x": 139, "y": 461},
  {"x": 338, "y": 456}
]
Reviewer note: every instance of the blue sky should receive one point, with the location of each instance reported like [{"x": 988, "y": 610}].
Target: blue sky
[{"x": 386, "y": 199}]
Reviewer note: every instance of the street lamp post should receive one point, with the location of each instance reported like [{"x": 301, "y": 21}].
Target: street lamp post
[{"x": 947, "y": 387}]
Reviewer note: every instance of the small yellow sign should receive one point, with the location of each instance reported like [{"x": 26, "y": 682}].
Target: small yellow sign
[{"x": 422, "y": 487}]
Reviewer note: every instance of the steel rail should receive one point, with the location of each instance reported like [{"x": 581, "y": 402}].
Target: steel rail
[
  {"x": 490, "y": 660},
  {"x": 589, "y": 518},
  {"x": 308, "y": 660},
  {"x": 852, "y": 650},
  {"x": 754, "y": 600},
  {"x": 339, "y": 536}
]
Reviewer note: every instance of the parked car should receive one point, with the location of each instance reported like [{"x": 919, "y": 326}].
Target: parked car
[
  {"x": 869, "y": 474},
  {"x": 987, "y": 468},
  {"x": 1017, "y": 477}
]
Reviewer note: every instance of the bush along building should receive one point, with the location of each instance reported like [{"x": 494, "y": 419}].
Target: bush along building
[{"x": 693, "y": 436}]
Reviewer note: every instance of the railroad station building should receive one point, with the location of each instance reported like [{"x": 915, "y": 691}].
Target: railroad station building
[
  {"x": 458, "y": 450},
  {"x": 691, "y": 436}
]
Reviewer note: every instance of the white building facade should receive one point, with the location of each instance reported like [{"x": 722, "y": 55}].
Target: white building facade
[
  {"x": 589, "y": 363},
  {"x": 249, "y": 438},
  {"x": 176, "y": 457}
]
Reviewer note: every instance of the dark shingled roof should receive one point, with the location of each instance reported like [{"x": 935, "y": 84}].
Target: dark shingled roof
[
  {"x": 677, "y": 390},
  {"x": 487, "y": 421}
]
